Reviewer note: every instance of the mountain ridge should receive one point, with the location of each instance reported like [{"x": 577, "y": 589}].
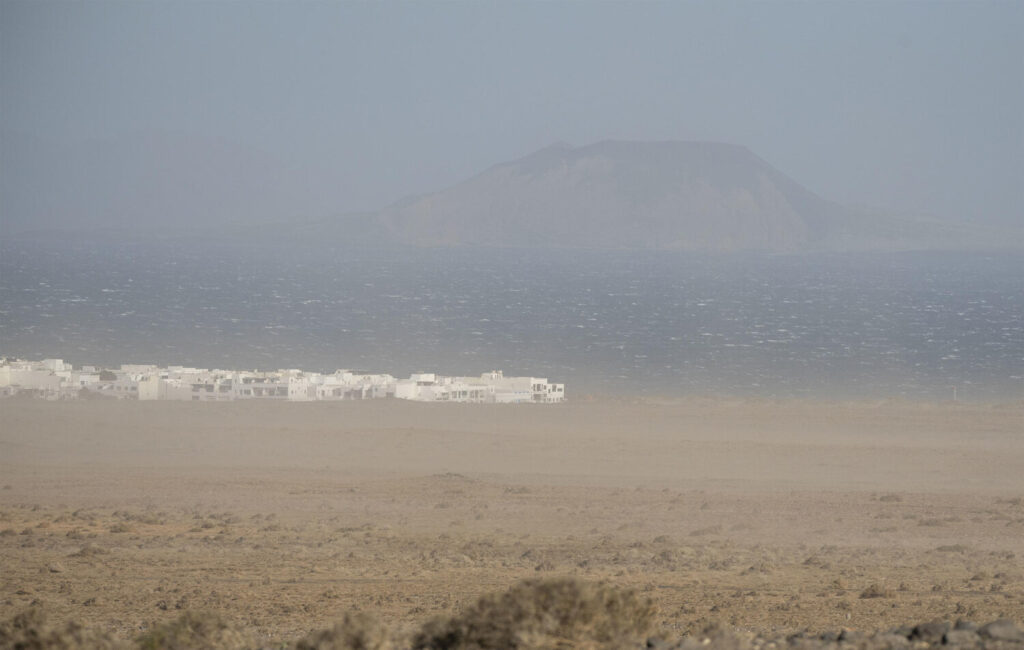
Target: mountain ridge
[
  {"x": 612, "y": 194},
  {"x": 675, "y": 195}
]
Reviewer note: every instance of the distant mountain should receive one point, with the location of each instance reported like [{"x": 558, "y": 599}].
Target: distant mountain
[
  {"x": 700, "y": 196},
  {"x": 652, "y": 195}
]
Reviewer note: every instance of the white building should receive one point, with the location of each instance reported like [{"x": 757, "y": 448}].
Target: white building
[
  {"x": 350, "y": 384},
  {"x": 55, "y": 379},
  {"x": 40, "y": 377},
  {"x": 490, "y": 387}
]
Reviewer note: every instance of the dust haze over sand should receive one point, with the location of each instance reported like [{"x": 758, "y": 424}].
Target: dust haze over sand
[
  {"x": 763, "y": 514},
  {"x": 749, "y": 445}
]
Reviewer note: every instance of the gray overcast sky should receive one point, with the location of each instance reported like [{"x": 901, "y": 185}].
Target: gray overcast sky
[{"x": 914, "y": 107}]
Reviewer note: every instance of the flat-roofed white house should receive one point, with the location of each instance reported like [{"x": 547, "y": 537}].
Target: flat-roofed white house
[
  {"x": 261, "y": 385},
  {"x": 489, "y": 387},
  {"x": 157, "y": 387},
  {"x": 39, "y": 377}
]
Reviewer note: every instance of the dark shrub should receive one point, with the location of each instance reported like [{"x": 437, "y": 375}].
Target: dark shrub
[
  {"x": 355, "y": 632},
  {"x": 30, "y": 630},
  {"x": 555, "y": 613},
  {"x": 196, "y": 631}
]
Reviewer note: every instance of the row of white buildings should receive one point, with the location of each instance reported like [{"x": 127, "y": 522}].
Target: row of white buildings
[{"x": 55, "y": 379}]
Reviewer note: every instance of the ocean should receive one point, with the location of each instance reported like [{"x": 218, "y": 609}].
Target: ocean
[{"x": 866, "y": 325}]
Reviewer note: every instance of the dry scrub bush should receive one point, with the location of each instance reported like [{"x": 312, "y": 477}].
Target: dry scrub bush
[
  {"x": 876, "y": 590},
  {"x": 356, "y": 631},
  {"x": 31, "y": 631},
  {"x": 196, "y": 631},
  {"x": 542, "y": 614}
]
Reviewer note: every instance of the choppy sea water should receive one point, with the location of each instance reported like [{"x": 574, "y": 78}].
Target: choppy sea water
[{"x": 908, "y": 325}]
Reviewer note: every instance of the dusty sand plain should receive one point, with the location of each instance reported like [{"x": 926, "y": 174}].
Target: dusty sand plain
[{"x": 765, "y": 515}]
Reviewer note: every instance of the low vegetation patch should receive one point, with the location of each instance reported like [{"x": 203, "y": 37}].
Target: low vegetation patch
[
  {"x": 536, "y": 614},
  {"x": 357, "y": 631},
  {"x": 877, "y": 591},
  {"x": 194, "y": 631},
  {"x": 31, "y": 630},
  {"x": 545, "y": 614}
]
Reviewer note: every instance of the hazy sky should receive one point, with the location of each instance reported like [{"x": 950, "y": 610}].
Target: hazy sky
[{"x": 910, "y": 106}]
